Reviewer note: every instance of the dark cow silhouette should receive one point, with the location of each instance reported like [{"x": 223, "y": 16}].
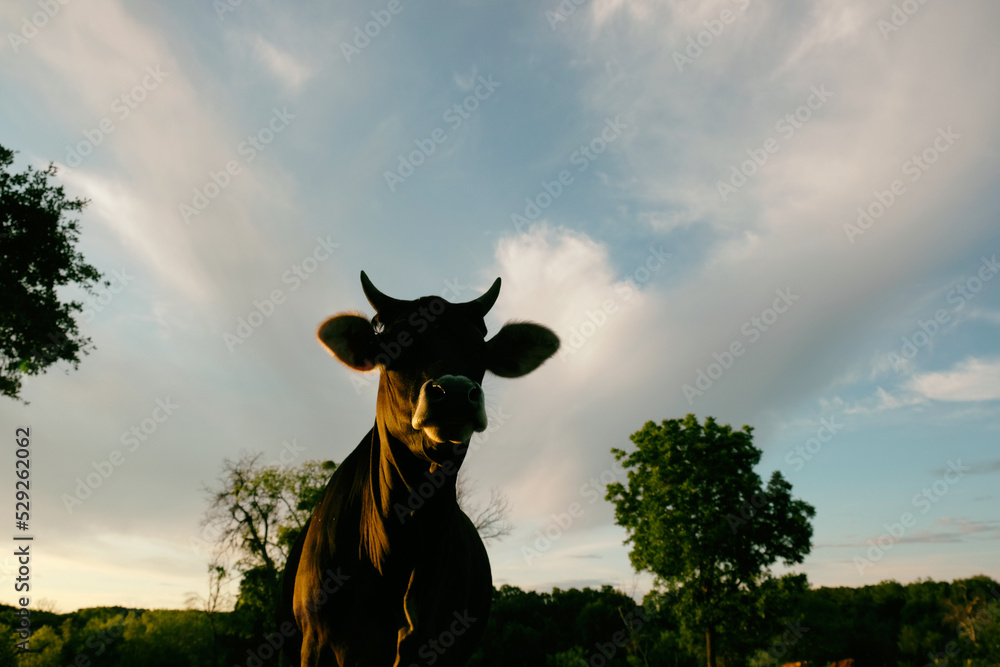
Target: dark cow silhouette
[{"x": 389, "y": 571}]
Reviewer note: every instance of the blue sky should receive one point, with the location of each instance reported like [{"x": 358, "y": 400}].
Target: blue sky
[{"x": 778, "y": 214}]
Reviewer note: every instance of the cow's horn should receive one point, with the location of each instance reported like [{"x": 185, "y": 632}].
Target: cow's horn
[
  {"x": 483, "y": 304},
  {"x": 380, "y": 302}
]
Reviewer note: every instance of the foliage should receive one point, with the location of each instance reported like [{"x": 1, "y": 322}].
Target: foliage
[
  {"x": 700, "y": 520},
  {"x": 885, "y": 624},
  {"x": 546, "y": 629},
  {"x": 37, "y": 253},
  {"x": 217, "y": 601},
  {"x": 166, "y": 638},
  {"x": 46, "y": 647},
  {"x": 259, "y": 510}
]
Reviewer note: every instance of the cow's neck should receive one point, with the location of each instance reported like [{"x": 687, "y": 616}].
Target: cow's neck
[{"x": 402, "y": 486}]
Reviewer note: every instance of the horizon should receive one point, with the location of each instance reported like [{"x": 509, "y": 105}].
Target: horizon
[{"x": 639, "y": 600}]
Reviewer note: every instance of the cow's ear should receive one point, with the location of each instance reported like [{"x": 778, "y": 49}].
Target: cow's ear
[
  {"x": 350, "y": 338},
  {"x": 519, "y": 348}
]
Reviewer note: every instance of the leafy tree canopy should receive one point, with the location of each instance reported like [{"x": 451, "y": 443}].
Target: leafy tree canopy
[
  {"x": 258, "y": 510},
  {"x": 699, "y": 518},
  {"x": 37, "y": 253}
]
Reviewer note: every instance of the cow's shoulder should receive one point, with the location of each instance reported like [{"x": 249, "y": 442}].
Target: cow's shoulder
[{"x": 333, "y": 526}]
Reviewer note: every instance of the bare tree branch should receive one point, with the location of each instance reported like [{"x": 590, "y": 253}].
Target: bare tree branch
[
  {"x": 258, "y": 509},
  {"x": 493, "y": 520}
]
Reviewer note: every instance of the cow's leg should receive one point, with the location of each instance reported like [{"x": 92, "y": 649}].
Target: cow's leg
[
  {"x": 286, "y": 607},
  {"x": 447, "y": 601},
  {"x": 437, "y": 625},
  {"x": 310, "y": 652},
  {"x": 405, "y": 653}
]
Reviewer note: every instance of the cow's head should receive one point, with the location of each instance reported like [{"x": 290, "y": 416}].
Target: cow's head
[{"x": 433, "y": 355}]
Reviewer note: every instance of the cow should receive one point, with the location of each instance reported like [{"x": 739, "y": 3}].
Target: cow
[{"x": 389, "y": 571}]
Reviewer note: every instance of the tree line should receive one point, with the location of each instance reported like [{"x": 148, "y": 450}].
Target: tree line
[{"x": 907, "y": 625}]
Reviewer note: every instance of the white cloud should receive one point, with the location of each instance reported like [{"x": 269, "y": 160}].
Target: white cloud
[
  {"x": 558, "y": 435},
  {"x": 566, "y": 279},
  {"x": 606, "y": 10},
  {"x": 971, "y": 380},
  {"x": 283, "y": 65},
  {"x": 465, "y": 81},
  {"x": 170, "y": 139},
  {"x": 129, "y": 216},
  {"x": 830, "y": 24},
  {"x": 552, "y": 271}
]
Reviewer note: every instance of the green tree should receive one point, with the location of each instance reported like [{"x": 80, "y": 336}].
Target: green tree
[
  {"x": 700, "y": 520},
  {"x": 8, "y": 639},
  {"x": 46, "y": 649},
  {"x": 574, "y": 657},
  {"x": 562, "y": 628},
  {"x": 259, "y": 510},
  {"x": 214, "y": 605},
  {"x": 256, "y": 514},
  {"x": 38, "y": 255},
  {"x": 166, "y": 638}
]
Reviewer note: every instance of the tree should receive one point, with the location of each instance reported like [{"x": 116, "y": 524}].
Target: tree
[
  {"x": 492, "y": 521},
  {"x": 162, "y": 638},
  {"x": 217, "y": 602},
  {"x": 256, "y": 515},
  {"x": 46, "y": 648},
  {"x": 700, "y": 520},
  {"x": 8, "y": 639},
  {"x": 259, "y": 510},
  {"x": 37, "y": 254},
  {"x": 561, "y": 628}
]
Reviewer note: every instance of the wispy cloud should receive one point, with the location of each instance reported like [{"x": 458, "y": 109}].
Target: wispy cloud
[
  {"x": 882, "y": 401},
  {"x": 290, "y": 71},
  {"x": 955, "y": 530},
  {"x": 978, "y": 468}
]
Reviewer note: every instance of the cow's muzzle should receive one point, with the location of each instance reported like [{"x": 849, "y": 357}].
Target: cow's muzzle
[{"x": 450, "y": 409}]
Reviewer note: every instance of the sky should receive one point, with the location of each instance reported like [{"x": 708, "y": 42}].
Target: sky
[{"x": 781, "y": 214}]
